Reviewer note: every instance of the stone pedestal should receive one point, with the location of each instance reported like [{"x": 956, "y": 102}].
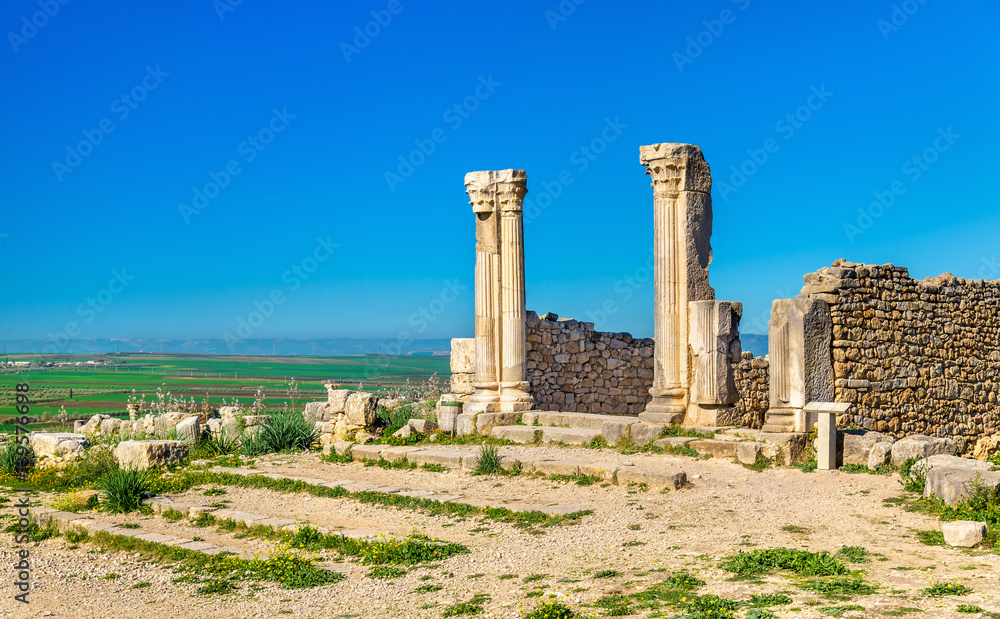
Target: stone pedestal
[
  {"x": 715, "y": 346},
  {"x": 500, "y": 380},
  {"x": 826, "y": 425},
  {"x": 800, "y": 338},
  {"x": 682, "y": 206}
]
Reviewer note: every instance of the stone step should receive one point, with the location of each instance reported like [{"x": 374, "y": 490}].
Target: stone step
[
  {"x": 546, "y": 434},
  {"x": 717, "y": 449},
  {"x": 590, "y": 421}
]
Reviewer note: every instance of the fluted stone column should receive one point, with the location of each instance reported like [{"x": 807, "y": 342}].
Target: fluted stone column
[
  {"x": 500, "y": 382},
  {"x": 486, "y": 382},
  {"x": 682, "y": 207},
  {"x": 511, "y": 185}
]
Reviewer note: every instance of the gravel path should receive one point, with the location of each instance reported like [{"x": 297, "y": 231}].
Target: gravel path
[{"x": 642, "y": 535}]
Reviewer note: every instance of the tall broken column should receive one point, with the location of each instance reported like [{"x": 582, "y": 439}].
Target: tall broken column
[
  {"x": 682, "y": 206},
  {"x": 715, "y": 346},
  {"x": 800, "y": 338},
  {"x": 500, "y": 382}
]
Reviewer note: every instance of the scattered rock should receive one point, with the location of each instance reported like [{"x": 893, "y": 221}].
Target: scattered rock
[
  {"x": 150, "y": 454},
  {"x": 963, "y": 533},
  {"x": 920, "y": 446}
]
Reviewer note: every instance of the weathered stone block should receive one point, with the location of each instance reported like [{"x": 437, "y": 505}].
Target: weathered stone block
[
  {"x": 51, "y": 444},
  {"x": 318, "y": 411},
  {"x": 963, "y": 533},
  {"x": 953, "y": 485},
  {"x": 920, "y": 446},
  {"x": 485, "y": 422},
  {"x": 337, "y": 400},
  {"x": 150, "y": 454},
  {"x": 463, "y": 355},
  {"x": 644, "y": 433},
  {"x": 362, "y": 409},
  {"x": 189, "y": 430}
]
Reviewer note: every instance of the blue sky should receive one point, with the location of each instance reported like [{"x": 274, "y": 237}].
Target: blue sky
[{"x": 118, "y": 114}]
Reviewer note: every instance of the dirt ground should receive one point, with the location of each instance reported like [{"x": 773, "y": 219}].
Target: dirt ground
[{"x": 644, "y": 536}]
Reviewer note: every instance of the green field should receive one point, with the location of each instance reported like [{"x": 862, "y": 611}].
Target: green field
[{"x": 85, "y": 391}]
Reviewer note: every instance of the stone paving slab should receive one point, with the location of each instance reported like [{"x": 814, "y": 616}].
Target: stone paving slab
[
  {"x": 558, "y": 467},
  {"x": 674, "y": 441},
  {"x": 450, "y": 459},
  {"x": 398, "y": 454},
  {"x": 674, "y": 480},
  {"x": 368, "y": 452},
  {"x": 718, "y": 449}
]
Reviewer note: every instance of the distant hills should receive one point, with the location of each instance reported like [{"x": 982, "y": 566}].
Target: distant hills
[
  {"x": 757, "y": 344},
  {"x": 279, "y": 346}
]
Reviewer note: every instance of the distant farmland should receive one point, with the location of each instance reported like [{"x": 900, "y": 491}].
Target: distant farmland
[{"x": 106, "y": 389}]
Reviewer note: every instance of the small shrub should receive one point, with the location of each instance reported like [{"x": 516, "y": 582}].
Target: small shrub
[
  {"x": 10, "y": 459},
  {"x": 221, "y": 444},
  {"x": 840, "y": 586},
  {"x": 124, "y": 489},
  {"x": 488, "y": 462},
  {"x": 76, "y": 535},
  {"x": 285, "y": 432},
  {"x": 712, "y": 607},
  {"x": 607, "y": 574},
  {"x": 939, "y": 589},
  {"x": 395, "y": 418},
  {"x": 96, "y": 463},
  {"x": 808, "y": 466},
  {"x": 912, "y": 481},
  {"x": 760, "y": 613},
  {"x": 171, "y": 514},
  {"x": 931, "y": 537}
]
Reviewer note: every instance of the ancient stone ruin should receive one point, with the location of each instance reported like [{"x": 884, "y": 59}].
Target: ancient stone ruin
[{"x": 913, "y": 357}]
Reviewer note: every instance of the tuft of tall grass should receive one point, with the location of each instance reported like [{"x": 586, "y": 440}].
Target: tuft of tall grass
[
  {"x": 11, "y": 457},
  {"x": 286, "y": 432},
  {"x": 124, "y": 489},
  {"x": 488, "y": 462}
]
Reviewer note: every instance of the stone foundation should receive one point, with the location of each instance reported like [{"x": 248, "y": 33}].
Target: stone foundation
[{"x": 751, "y": 374}]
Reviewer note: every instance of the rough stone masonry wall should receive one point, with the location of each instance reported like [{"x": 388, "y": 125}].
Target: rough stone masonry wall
[
  {"x": 915, "y": 357},
  {"x": 572, "y": 368},
  {"x": 752, "y": 383}
]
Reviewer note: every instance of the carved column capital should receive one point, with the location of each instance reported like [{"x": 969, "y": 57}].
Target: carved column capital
[
  {"x": 511, "y": 186},
  {"x": 481, "y": 190},
  {"x": 675, "y": 168}
]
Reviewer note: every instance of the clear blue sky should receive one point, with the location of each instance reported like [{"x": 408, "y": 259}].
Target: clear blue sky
[{"x": 188, "y": 93}]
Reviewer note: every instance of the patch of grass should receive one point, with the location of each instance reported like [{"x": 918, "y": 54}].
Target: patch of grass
[
  {"x": 534, "y": 578},
  {"x": 760, "y": 464},
  {"x": 488, "y": 462},
  {"x": 577, "y": 478},
  {"x": 551, "y": 610},
  {"x": 607, "y": 574},
  {"x": 941, "y": 588},
  {"x": 768, "y": 599},
  {"x": 683, "y": 581},
  {"x": 128, "y": 525},
  {"x": 287, "y": 569},
  {"x": 386, "y": 572},
  {"x": 142, "y": 585},
  {"x": 633, "y": 543},
  {"x": 124, "y": 489},
  {"x": 215, "y": 492},
  {"x": 760, "y": 613},
  {"x": 853, "y": 554},
  {"x": 187, "y": 479},
  {"x": 216, "y": 586},
  {"x": 76, "y": 535},
  {"x": 801, "y": 562},
  {"x": 793, "y": 528},
  {"x": 428, "y": 588},
  {"x": 931, "y": 537},
  {"x": 808, "y": 466},
  {"x": 473, "y": 606},
  {"x": 837, "y": 611},
  {"x": 839, "y": 586},
  {"x": 434, "y": 467},
  {"x": 969, "y": 608},
  {"x": 409, "y": 551},
  {"x": 902, "y": 610},
  {"x": 171, "y": 514},
  {"x": 508, "y": 576},
  {"x": 112, "y": 576}
]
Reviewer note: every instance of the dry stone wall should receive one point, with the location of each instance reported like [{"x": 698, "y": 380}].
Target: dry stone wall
[
  {"x": 752, "y": 383},
  {"x": 915, "y": 357},
  {"x": 573, "y": 368}
]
